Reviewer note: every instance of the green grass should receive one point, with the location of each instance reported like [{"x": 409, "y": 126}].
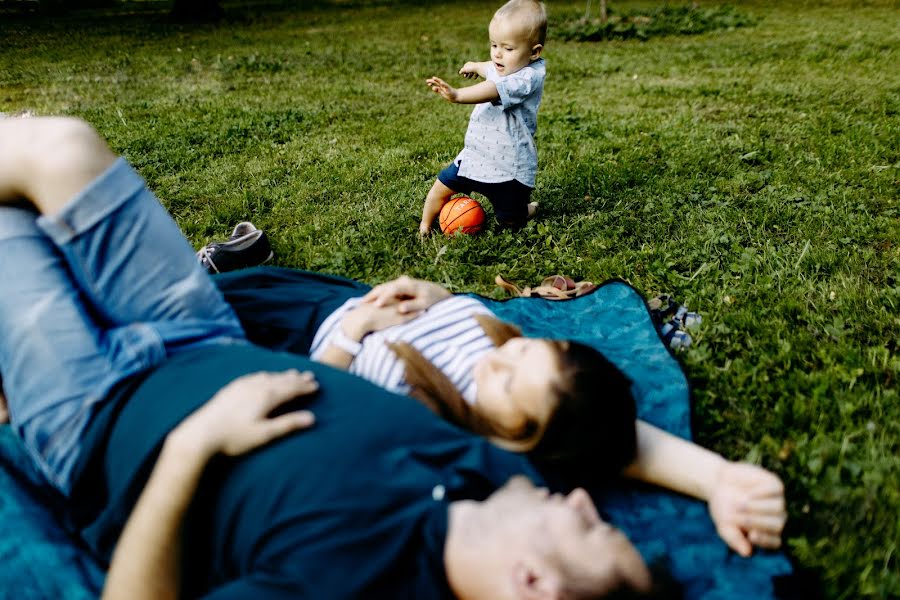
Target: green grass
[
  {"x": 753, "y": 173},
  {"x": 686, "y": 19}
]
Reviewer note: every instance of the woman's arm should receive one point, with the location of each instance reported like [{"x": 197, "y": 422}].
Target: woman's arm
[
  {"x": 746, "y": 502},
  {"x": 391, "y": 303},
  {"x": 147, "y": 558},
  {"x": 407, "y": 294},
  {"x": 357, "y": 324}
]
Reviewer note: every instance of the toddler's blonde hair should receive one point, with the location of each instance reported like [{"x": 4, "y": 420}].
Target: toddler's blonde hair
[{"x": 531, "y": 14}]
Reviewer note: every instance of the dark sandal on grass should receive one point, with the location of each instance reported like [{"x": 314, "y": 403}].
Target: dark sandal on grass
[
  {"x": 662, "y": 308},
  {"x": 684, "y": 319},
  {"x": 675, "y": 338},
  {"x": 672, "y": 320}
]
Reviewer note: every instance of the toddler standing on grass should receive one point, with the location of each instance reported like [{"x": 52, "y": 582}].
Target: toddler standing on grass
[{"x": 499, "y": 160}]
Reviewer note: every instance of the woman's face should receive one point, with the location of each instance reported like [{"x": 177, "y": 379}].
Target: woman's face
[{"x": 516, "y": 382}]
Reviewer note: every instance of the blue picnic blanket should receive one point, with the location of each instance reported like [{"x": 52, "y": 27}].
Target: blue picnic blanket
[
  {"x": 39, "y": 560},
  {"x": 666, "y": 527}
]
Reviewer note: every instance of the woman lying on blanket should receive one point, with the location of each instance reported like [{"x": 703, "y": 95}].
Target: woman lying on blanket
[
  {"x": 561, "y": 402},
  {"x": 526, "y": 394},
  {"x": 532, "y": 395}
]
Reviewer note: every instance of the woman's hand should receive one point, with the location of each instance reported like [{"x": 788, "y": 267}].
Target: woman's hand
[
  {"x": 369, "y": 317},
  {"x": 146, "y": 561},
  {"x": 236, "y": 420},
  {"x": 406, "y": 294},
  {"x": 747, "y": 506}
]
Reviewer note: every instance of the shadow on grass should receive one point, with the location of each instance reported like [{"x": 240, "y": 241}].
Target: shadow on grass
[{"x": 178, "y": 11}]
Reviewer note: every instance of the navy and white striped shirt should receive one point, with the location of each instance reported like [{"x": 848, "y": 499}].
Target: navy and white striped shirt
[{"x": 446, "y": 334}]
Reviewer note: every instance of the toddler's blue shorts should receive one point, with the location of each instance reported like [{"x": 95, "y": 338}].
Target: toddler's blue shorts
[{"x": 509, "y": 198}]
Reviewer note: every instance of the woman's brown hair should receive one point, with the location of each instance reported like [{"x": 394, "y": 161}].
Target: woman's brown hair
[
  {"x": 433, "y": 388},
  {"x": 591, "y": 431}
]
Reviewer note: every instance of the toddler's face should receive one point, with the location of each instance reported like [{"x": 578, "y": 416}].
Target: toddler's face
[{"x": 510, "y": 47}]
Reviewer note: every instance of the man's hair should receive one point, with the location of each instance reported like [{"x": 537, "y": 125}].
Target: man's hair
[
  {"x": 663, "y": 586},
  {"x": 531, "y": 14}
]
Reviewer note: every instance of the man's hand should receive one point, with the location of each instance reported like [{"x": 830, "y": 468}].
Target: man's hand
[
  {"x": 443, "y": 89},
  {"x": 147, "y": 559},
  {"x": 408, "y": 295},
  {"x": 4, "y": 412},
  {"x": 473, "y": 70},
  {"x": 236, "y": 420},
  {"x": 747, "y": 506}
]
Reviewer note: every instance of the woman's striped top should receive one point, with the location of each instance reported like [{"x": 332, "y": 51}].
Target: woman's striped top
[{"x": 446, "y": 334}]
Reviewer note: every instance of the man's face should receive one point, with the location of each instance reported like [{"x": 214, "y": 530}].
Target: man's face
[{"x": 590, "y": 556}]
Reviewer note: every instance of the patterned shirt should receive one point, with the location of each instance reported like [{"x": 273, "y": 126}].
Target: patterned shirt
[
  {"x": 446, "y": 334},
  {"x": 500, "y": 138}
]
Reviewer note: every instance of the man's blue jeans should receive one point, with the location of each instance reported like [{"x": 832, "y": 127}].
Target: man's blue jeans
[{"x": 103, "y": 290}]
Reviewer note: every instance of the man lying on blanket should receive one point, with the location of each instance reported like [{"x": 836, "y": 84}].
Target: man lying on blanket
[{"x": 115, "y": 360}]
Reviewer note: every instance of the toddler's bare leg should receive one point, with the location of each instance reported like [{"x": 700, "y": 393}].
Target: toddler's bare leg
[
  {"x": 49, "y": 160},
  {"x": 434, "y": 202}
]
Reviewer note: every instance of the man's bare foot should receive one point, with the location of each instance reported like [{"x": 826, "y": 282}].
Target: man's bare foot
[{"x": 532, "y": 210}]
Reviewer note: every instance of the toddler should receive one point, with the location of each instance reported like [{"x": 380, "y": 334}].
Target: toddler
[{"x": 499, "y": 159}]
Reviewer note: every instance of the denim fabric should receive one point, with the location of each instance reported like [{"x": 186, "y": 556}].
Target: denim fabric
[{"x": 103, "y": 290}]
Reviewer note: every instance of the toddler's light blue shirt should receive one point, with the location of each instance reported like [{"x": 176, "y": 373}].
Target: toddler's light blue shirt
[{"x": 500, "y": 138}]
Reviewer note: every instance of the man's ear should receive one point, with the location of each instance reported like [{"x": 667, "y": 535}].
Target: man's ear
[
  {"x": 535, "y": 582},
  {"x": 536, "y": 51}
]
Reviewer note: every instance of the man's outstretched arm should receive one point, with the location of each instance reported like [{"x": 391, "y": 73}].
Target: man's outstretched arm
[{"x": 146, "y": 562}]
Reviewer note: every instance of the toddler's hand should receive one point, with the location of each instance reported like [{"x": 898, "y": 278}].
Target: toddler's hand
[
  {"x": 440, "y": 87},
  {"x": 470, "y": 70}
]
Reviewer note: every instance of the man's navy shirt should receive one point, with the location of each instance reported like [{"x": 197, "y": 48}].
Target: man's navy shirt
[{"x": 355, "y": 507}]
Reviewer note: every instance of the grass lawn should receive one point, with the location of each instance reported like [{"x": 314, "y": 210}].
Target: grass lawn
[{"x": 753, "y": 173}]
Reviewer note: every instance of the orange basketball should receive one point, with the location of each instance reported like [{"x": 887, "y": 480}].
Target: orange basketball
[{"x": 462, "y": 214}]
